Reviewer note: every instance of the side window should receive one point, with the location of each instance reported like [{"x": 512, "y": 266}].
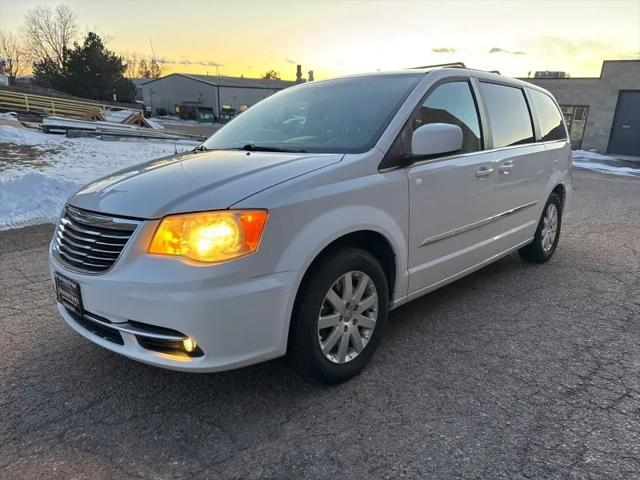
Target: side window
[
  {"x": 508, "y": 114},
  {"x": 452, "y": 103},
  {"x": 549, "y": 117}
]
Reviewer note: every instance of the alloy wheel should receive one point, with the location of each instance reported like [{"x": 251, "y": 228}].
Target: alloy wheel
[
  {"x": 549, "y": 227},
  {"x": 347, "y": 317}
]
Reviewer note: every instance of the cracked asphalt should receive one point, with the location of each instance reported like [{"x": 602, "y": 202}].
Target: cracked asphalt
[{"x": 517, "y": 371}]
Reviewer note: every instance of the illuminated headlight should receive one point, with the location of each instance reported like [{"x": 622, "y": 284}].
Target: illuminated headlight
[{"x": 210, "y": 237}]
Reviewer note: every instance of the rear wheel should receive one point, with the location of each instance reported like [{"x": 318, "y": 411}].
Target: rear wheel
[
  {"x": 339, "y": 316},
  {"x": 547, "y": 234}
]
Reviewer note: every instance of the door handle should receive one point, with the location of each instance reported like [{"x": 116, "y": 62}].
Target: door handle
[
  {"x": 506, "y": 167},
  {"x": 484, "y": 172}
]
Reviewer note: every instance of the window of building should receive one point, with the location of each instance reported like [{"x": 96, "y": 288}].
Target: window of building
[
  {"x": 508, "y": 114},
  {"x": 549, "y": 118},
  {"x": 575, "y": 116},
  {"x": 452, "y": 103}
]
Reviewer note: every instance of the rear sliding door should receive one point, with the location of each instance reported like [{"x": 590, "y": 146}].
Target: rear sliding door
[{"x": 522, "y": 165}]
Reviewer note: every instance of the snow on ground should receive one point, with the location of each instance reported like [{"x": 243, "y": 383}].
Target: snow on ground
[
  {"x": 48, "y": 168},
  {"x": 605, "y": 163}
]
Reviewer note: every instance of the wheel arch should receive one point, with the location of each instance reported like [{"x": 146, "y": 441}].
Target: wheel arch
[
  {"x": 561, "y": 191},
  {"x": 371, "y": 241}
]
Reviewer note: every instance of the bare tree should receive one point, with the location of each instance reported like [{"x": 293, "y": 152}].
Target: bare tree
[
  {"x": 143, "y": 69},
  {"x": 12, "y": 58},
  {"x": 271, "y": 75},
  {"x": 49, "y": 33},
  {"x": 155, "y": 69},
  {"x": 131, "y": 59}
]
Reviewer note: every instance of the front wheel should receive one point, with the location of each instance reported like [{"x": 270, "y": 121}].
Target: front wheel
[
  {"x": 339, "y": 316},
  {"x": 547, "y": 234}
]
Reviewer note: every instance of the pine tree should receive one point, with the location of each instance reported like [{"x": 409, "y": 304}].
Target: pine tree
[{"x": 89, "y": 70}]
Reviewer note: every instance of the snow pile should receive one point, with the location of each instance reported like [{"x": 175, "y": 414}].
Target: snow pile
[
  {"x": 604, "y": 163},
  {"x": 9, "y": 116},
  {"x": 118, "y": 116},
  {"x": 23, "y": 136},
  {"x": 587, "y": 155},
  {"x": 32, "y": 193},
  {"x": 153, "y": 123},
  {"x": 33, "y": 198}
]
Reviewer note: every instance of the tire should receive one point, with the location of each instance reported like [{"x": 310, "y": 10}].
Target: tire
[
  {"x": 542, "y": 247},
  {"x": 306, "y": 341}
]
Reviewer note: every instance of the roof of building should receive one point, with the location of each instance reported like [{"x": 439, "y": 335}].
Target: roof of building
[
  {"x": 631, "y": 62},
  {"x": 221, "y": 81},
  {"x": 139, "y": 81}
]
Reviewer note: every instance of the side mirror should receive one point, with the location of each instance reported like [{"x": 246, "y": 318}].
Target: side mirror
[{"x": 435, "y": 139}]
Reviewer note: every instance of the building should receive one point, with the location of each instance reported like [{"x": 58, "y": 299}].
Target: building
[
  {"x": 206, "y": 98},
  {"x": 602, "y": 113}
]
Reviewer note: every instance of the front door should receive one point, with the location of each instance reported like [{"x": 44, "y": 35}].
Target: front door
[
  {"x": 450, "y": 197},
  {"x": 625, "y": 133},
  {"x": 450, "y": 203}
]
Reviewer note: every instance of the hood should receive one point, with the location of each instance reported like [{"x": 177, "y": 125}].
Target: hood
[{"x": 192, "y": 182}]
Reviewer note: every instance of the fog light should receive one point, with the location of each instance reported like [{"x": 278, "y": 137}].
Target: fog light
[{"x": 189, "y": 344}]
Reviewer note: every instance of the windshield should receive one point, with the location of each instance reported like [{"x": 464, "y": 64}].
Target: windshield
[{"x": 336, "y": 116}]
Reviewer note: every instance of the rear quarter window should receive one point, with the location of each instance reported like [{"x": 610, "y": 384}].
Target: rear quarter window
[
  {"x": 548, "y": 115},
  {"x": 508, "y": 113}
]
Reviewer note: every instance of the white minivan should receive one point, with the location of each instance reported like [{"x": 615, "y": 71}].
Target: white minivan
[{"x": 297, "y": 226}]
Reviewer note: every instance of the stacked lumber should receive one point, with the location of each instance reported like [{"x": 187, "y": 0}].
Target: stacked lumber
[
  {"x": 56, "y": 124},
  {"x": 26, "y": 102}
]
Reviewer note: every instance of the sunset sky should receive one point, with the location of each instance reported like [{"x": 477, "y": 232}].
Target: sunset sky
[{"x": 341, "y": 37}]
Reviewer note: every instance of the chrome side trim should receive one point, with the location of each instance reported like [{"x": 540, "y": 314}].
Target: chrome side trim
[
  {"x": 128, "y": 328},
  {"x": 474, "y": 225}
]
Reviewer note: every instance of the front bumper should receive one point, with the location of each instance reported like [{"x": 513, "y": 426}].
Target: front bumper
[{"x": 236, "y": 319}]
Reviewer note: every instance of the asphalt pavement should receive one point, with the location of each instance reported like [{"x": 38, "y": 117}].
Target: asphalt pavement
[{"x": 517, "y": 371}]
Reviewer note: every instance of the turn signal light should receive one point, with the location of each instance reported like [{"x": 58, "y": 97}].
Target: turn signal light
[{"x": 210, "y": 237}]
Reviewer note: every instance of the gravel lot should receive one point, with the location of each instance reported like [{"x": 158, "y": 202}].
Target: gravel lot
[{"x": 518, "y": 371}]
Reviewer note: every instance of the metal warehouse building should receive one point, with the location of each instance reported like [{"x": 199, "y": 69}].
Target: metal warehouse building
[
  {"x": 206, "y": 98},
  {"x": 602, "y": 113}
]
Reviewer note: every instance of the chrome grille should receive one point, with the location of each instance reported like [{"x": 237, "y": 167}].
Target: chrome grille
[{"x": 90, "y": 242}]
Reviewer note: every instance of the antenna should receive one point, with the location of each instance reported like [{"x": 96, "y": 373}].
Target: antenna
[
  {"x": 153, "y": 56},
  {"x": 153, "y": 53}
]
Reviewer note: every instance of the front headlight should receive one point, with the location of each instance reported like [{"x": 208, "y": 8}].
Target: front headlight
[{"x": 210, "y": 236}]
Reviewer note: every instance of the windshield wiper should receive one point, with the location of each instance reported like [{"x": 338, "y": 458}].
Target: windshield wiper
[
  {"x": 252, "y": 147},
  {"x": 200, "y": 148}
]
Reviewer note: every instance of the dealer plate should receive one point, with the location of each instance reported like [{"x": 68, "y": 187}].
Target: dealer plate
[{"x": 68, "y": 293}]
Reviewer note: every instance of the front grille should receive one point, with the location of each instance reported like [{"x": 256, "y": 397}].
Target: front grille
[{"x": 91, "y": 242}]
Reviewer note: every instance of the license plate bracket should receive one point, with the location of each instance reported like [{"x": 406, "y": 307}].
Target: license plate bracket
[{"x": 68, "y": 293}]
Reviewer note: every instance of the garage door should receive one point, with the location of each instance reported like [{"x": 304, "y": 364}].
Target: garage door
[{"x": 625, "y": 133}]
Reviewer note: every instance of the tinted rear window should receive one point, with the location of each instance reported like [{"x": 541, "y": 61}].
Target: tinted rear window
[
  {"x": 508, "y": 115},
  {"x": 549, "y": 118}
]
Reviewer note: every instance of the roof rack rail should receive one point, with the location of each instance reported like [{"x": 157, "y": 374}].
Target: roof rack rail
[
  {"x": 452, "y": 64},
  {"x": 480, "y": 70}
]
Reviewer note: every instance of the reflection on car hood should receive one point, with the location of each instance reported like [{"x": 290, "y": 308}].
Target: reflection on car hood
[{"x": 194, "y": 182}]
